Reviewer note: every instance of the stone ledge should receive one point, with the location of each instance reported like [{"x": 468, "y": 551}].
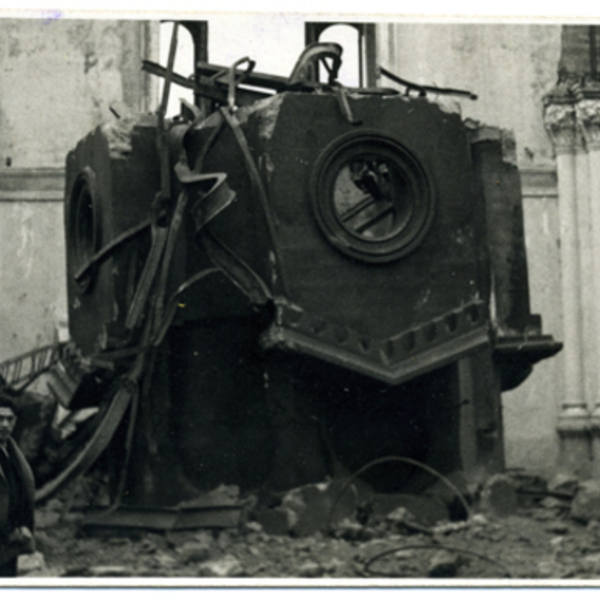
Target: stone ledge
[
  {"x": 32, "y": 185},
  {"x": 540, "y": 182},
  {"x": 47, "y": 184}
]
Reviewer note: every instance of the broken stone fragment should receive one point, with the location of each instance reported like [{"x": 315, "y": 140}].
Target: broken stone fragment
[
  {"x": 479, "y": 519},
  {"x": 204, "y": 537},
  {"x": 311, "y": 506},
  {"x": 499, "y": 496},
  {"x": 308, "y": 509},
  {"x": 332, "y": 566},
  {"x": 549, "y": 569},
  {"x": 557, "y": 527},
  {"x": 275, "y": 521},
  {"x": 556, "y": 503},
  {"x": 586, "y": 504},
  {"x": 441, "y": 491},
  {"x": 164, "y": 560},
  {"x": 400, "y": 515},
  {"x": 423, "y": 510},
  {"x": 28, "y": 563},
  {"x": 148, "y": 546},
  {"x": 253, "y": 527},
  {"x": 194, "y": 552},
  {"x": 224, "y": 540},
  {"x": 224, "y": 495},
  {"x": 529, "y": 486},
  {"x": 109, "y": 571},
  {"x": 310, "y": 569},
  {"x": 592, "y": 562},
  {"x": 254, "y": 551},
  {"x": 227, "y": 566},
  {"x": 46, "y": 518},
  {"x": 443, "y": 564},
  {"x": 352, "y": 531},
  {"x": 564, "y": 484}
]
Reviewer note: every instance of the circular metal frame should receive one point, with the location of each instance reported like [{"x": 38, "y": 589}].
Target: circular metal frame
[
  {"x": 371, "y": 197},
  {"x": 83, "y": 224}
]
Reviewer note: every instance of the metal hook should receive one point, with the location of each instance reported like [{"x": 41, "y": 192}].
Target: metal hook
[{"x": 232, "y": 81}]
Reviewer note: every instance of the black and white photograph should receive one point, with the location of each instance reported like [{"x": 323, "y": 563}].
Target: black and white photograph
[{"x": 299, "y": 299}]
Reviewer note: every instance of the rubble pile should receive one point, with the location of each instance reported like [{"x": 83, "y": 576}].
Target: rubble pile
[{"x": 519, "y": 526}]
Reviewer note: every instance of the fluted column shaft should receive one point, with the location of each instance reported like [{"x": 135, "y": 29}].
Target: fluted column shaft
[
  {"x": 588, "y": 118},
  {"x": 573, "y": 423}
]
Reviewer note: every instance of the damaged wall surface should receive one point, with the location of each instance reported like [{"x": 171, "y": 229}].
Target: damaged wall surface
[
  {"x": 510, "y": 68},
  {"x": 59, "y": 79},
  {"x": 32, "y": 259}
]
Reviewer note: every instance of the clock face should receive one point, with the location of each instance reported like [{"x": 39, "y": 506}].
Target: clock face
[{"x": 371, "y": 197}]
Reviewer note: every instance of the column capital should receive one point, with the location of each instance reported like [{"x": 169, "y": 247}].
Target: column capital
[
  {"x": 588, "y": 119},
  {"x": 560, "y": 120}
]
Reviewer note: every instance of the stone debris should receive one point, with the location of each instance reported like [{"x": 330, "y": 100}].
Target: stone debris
[
  {"x": 449, "y": 528},
  {"x": 555, "y": 503},
  {"x": 101, "y": 571},
  {"x": 164, "y": 560},
  {"x": 304, "y": 511},
  {"x": 530, "y": 487},
  {"x": 194, "y": 552},
  {"x": 592, "y": 562},
  {"x": 275, "y": 521},
  {"x": 564, "y": 484},
  {"x": 539, "y": 541},
  {"x": 479, "y": 519},
  {"x": 117, "y": 541},
  {"x": 46, "y": 518},
  {"x": 204, "y": 537},
  {"x": 557, "y": 527},
  {"x": 311, "y": 569},
  {"x": 148, "y": 546},
  {"x": 586, "y": 504},
  {"x": 499, "y": 496},
  {"x": 223, "y": 495},
  {"x": 253, "y": 527},
  {"x": 28, "y": 563},
  {"x": 311, "y": 506},
  {"x": 442, "y": 494},
  {"x": 424, "y": 510},
  {"x": 443, "y": 564},
  {"x": 332, "y": 566},
  {"x": 348, "y": 530},
  {"x": 227, "y": 566},
  {"x": 550, "y": 569}
]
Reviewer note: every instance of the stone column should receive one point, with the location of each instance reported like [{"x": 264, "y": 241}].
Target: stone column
[
  {"x": 561, "y": 124},
  {"x": 588, "y": 117},
  {"x": 587, "y": 292}
]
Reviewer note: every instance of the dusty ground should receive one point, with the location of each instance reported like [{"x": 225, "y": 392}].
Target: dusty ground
[{"x": 538, "y": 541}]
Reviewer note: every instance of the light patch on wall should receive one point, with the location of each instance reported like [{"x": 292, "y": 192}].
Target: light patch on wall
[
  {"x": 26, "y": 257},
  {"x": 546, "y": 223}
]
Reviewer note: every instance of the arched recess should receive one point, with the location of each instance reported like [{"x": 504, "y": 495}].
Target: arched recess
[
  {"x": 362, "y": 55},
  {"x": 191, "y": 48}
]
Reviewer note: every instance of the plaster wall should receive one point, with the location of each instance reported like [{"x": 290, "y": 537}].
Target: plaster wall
[
  {"x": 531, "y": 410},
  {"x": 510, "y": 68},
  {"x": 59, "y": 79},
  {"x": 32, "y": 275}
]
